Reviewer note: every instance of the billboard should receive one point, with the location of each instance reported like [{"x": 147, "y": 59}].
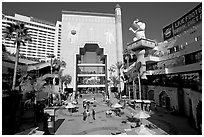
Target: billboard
[{"x": 191, "y": 18}]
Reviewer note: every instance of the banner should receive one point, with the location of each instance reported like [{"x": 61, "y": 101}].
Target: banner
[{"x": 191, "y": 18}]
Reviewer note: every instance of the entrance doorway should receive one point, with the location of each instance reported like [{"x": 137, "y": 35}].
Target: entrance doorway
[
  {"x": 164, "y": 100},
  {"x": 91, "y": 66}
]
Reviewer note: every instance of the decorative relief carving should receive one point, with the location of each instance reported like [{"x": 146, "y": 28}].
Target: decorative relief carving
[{"x": 109, "y": 36}]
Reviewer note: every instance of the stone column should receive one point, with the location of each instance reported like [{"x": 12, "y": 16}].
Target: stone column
[
  {"x": 141, "y": 58},
  {"x": 119, "y": 38}
]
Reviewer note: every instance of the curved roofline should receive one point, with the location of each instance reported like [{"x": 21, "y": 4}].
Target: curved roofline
[{"x": 88, "y": 13}]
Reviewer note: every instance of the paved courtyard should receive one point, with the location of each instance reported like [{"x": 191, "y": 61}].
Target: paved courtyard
[{"x": 73, "y": 124}]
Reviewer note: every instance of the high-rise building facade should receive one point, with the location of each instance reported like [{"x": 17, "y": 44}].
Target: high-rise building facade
[{"x": 46, "y": 37}]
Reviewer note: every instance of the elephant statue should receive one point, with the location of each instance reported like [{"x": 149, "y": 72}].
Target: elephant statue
[{"x": 140, "y": 30}]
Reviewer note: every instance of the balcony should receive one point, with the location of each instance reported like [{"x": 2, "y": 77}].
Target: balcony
[
  {"x": 141, "y": 44},
  {"x": 91, "y": 75},
  {"x": 91, "y": 65},
  {"x": 176, "y": 69},
  {"x": 185, "y": 68},
  {"x": 151, "y": 59}
]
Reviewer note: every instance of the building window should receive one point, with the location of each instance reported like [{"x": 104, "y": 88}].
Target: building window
[{"x": 193, "y": 57}]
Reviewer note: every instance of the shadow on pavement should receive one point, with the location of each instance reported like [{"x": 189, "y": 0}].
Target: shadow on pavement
[{"x": 58, "y": 123}]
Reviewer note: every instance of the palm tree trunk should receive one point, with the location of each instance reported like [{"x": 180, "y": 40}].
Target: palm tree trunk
[
  {"x": 60, "y": 84},
  {"x": 119, "y": 86},
  {"x": 16, "y": 65},
  {"x": 60, "y": 89}
]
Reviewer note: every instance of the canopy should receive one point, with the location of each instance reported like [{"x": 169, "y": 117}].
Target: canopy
[
  {"x": 142, "y": 130},
  {"x": 117, "y": 106},
  {"x": 70, "y": 106},
  {"x": 146, "y": 101},
  {"x": 142, "y": 114}
]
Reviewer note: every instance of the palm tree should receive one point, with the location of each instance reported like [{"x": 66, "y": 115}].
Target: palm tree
[
  {"x": 59, "y": 65},
  {"x": 116, "y": 79},
  {"x": 66, "y": 79},
  {"x": 19, "y": 33}
]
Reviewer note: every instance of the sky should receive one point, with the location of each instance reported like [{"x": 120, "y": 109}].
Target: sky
[{"x": 156, "y": 15}]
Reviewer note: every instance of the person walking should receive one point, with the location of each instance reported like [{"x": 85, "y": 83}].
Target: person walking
[
  {"x": 84, "y": 115},
  {"x": 88, "y": 115},
  {"x": 93, "y": 114}
]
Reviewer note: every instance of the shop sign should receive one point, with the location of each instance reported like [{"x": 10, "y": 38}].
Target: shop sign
[{"x": 191, "y": 18}]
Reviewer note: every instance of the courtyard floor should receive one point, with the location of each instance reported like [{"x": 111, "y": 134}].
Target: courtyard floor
[
  {"x": 73, "y": 124},
  {"x": 67, "y": 123}
]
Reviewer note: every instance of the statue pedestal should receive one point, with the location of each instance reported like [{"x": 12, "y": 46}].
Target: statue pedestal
[{"x": 141, "y": 44}]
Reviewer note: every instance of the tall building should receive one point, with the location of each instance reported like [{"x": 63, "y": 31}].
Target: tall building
[
  {"x": 46, "y": 37},
  {"x": 91, "y": 43},
  {"x": 175, "y": 69}
]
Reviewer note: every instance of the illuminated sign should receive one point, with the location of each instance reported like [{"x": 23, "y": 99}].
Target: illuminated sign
[{"x": 191, "y": 18}]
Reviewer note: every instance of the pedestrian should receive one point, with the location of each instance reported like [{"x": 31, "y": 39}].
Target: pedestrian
[
  {"x": 88, "y": 114},
  {"x": 84, "y": 115},
  {"x": 93, "y": 114},
  {"x": 88, "y": 105}
]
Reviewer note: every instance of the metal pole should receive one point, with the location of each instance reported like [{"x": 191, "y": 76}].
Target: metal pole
[{"x": 129, "y": 91}]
